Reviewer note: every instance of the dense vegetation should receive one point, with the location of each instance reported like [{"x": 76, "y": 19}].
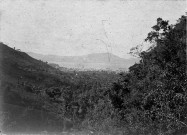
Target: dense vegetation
[
  {"x": 148, "y": 99},
  {"x": 37, "y": 97},
  {"x": 151, "y": 97}
]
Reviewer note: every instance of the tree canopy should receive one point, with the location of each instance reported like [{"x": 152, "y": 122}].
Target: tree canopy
[{"x": 154, "y": 90}]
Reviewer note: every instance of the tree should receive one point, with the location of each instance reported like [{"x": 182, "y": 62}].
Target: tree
[{"x": 157, "y": 85}]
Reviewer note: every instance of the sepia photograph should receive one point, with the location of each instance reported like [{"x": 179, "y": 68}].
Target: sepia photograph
[{"x": 93, "y": 67}]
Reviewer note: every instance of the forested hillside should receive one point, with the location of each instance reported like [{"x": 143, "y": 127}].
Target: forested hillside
[
  {"x": 37, "y": 97},
  {"x": 149, "y": 99}
]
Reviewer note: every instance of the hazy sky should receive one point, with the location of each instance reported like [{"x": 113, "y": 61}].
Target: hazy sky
[{"x": 77, "y": 27}]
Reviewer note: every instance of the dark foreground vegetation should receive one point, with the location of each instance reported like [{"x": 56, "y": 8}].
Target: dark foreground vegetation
[{"x": 149, "y": 99}]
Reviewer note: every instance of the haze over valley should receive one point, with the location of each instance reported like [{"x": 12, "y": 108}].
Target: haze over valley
[{"x": 95, "y": 61}]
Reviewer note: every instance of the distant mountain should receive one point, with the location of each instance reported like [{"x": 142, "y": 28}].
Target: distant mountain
[{"x": 95, "y": 61}]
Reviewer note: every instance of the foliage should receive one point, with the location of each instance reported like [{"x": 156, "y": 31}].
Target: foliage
[{"x": 156, "y": 87}]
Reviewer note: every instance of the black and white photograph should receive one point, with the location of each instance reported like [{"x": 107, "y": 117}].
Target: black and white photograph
[{"x": 93, "y": 67}]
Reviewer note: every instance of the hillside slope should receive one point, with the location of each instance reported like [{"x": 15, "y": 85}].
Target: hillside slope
[
  {"x": 23, "y": 83},
  {"x": 13, "y": 60},
  {"x": 37, "y": 97}
]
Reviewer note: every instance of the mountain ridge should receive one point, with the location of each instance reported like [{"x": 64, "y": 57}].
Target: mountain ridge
[{"x": 90, "y": 61}]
